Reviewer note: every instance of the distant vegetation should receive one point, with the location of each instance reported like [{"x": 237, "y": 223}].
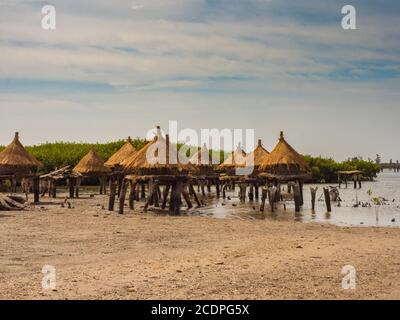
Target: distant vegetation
[
  {"x": 59, "y": 154},
  {"x": 326, "y": 168}
]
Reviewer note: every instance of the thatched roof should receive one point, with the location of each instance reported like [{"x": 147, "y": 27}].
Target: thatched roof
[
  {"x": 125, "y": 152},
  {"x": 91, "y": 163},
  {"x": 236, "y": 159},
  {"x": 284, "y": 159},
  {"x": 201, "y": 157},
  {"x": 15, "y": 158},
  {"x": 157, "y": 157},
  {"x": 258, "y": 156}
]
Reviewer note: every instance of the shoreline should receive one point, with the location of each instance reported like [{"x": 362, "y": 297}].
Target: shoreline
[{"x": 101, "y": 255}]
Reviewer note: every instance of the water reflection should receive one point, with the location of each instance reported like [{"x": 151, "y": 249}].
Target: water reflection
[{"x": 354, "y": 209}]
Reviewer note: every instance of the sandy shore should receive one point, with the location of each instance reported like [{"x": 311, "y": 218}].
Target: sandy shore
[{"x": 99, "y": 255}]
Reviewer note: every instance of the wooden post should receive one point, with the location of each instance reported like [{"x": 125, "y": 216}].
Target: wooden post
[
  {"x": 143, "y": 191},
  {"x": 256, "y": 191},
  {"x": 217, "y": 187},
  {"x": 175, "y": 203},
  {"x": 165, "y": 196},
  {"x": 113, "y": 191},
  {"x": 301, "y": 193},
  {"x": 272, "y": 197},
  {"x": 185, "y": 194},
  {"x": 54, "y": 189},
  {"x": 132, "y": 195},
  {"x": 263, "y": 198},
  {"x": 77, "y": 185},
  {"x": 36, "y": 191},
  {"x": 251, "y": 193},
  {"x": 193, "y": 192},
  {"x": 71, "y": 187},
  {"x": 297, "y": 197},
  {"x": 327, "y": 199},
  {"x": 122, "y": 196},
  {"x": 313, "y": 197}
]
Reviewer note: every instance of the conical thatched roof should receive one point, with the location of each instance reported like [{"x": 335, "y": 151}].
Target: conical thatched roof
[
  {"x": 284, "y": 159},
  {"x": 236, "y": 159},
  {"x": 14, "y": 158},
  {"x": 258, "y": 156},
  {"x": 201, "y": 157},
  {"x": 157, "y": 157},
  {"x": 91, "y": 163},
  {"x": 126, "y": 151}
]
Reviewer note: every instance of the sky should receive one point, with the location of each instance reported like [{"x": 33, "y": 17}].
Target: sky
[{"x": 114, "y": 69}]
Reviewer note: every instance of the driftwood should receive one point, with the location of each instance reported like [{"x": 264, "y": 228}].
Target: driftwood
[{"x": 11, "y": 202}]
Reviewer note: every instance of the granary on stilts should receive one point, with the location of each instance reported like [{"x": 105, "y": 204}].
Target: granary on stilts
[
  {"x": 157, "y": 164},
  {"x": 91, "y": 166},
  {"x": 285, "y": 165},
  {"x": 205, "y": 172},
  {"x": 124, "y": 153},
  {"x": 17, "y": 165}
]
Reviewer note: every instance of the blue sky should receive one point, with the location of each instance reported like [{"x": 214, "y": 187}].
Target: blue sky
[{"x": 118, "y": 68}]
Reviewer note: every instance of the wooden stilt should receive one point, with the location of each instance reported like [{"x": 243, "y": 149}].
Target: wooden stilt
[
  {"x": 186, "y": 196},
  {"x": 36, "y": 191},
  {"x": 327, "y": 199},
  {"x": 113, "y": 191},
  {"x": 72, "y": 182},
  {"x": 132, "y": 195},
  {"x": 263, "y": 198},
  {"x": 165, "y": 196},
  {"x": 313, "y": 197},
  {"x": 193, "y": 192},
  {"x": 122, "y": 196}
]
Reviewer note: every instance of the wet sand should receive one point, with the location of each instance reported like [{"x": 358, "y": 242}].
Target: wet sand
[{"x": 98, "y": 255}]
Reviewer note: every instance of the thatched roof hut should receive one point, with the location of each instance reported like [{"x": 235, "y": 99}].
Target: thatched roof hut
[
  {"x": 91, "y": 164},
  {"x": 125, "y": 152},
  {"x": 202, "y": 157},
  {"x": 158, "y": 157},
  {"x": 284, "y": 160},
  {"x": 14, "y": 159},
  {"x": 237, "y": 159},
  {"x": 258, "y": 156}
]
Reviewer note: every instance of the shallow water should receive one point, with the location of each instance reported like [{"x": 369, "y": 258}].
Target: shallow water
[{"x": 387, "y": 185}]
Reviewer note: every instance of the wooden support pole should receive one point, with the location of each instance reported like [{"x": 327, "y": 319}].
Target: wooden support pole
[
  {"x": 301, "y": 193},
  {"x": 175, "y": 203},
  {"x": 193, "y": 192},
  {"x": 165, "y": 196},
  {"x": 36, "y": 191},
  {"x": 217, "y": 187},
  {"x": 122, "y": 196},
  {"x": 143, "y": 191},
  {"x": 113, "y": 192},
  {"x": 186, "y": 196},
  {"x": 327, "y": 199},
  {"x": 263, "y": 198},
  {"x": 313, "y": 197},
  {"x": 71, "y": 187},
  {"x": 132, "y": 195},
  {"x": 272, "y": 198},
  {"x": 297, "y": 197},
  {"x": 54, "y": 189},
  {"x": 251, "y": 192},
  {"x": 256, "y": 191}
]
